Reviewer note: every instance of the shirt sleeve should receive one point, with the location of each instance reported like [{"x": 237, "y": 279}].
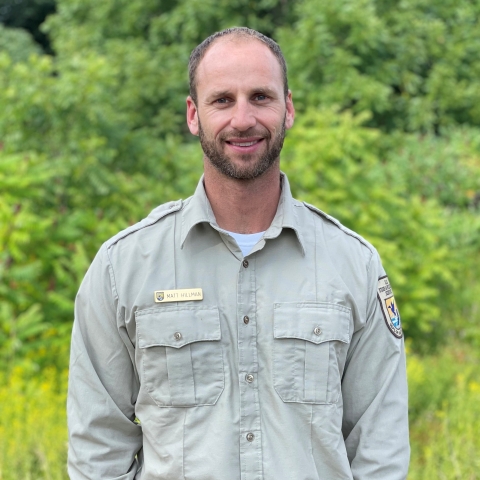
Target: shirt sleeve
[
  {"x": 374, "y": 387},
  {"x": 104, "y": 440}
]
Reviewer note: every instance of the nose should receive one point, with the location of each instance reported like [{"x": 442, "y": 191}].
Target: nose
[{"x": 243, "y": 116}]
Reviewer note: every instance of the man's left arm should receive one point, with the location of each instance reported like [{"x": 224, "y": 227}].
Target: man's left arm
[{"x": 374, "y": 387}]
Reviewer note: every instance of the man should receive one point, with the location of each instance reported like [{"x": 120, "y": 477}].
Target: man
[{"x": 239, "y": 334}]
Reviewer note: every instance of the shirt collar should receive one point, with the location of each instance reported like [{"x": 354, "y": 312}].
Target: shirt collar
[{"x": 197, "y": 209}]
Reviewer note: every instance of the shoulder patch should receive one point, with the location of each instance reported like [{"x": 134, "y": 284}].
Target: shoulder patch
[
  {"x": 153, "y": 217},
  {"x": 389, "y": 307},
  {"x": 339, "y": 225}
]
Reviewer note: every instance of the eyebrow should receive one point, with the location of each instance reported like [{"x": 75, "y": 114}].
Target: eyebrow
[
  {"x": 227, "y": 93},
  {"x": 265, "y": 90},
  {"x": 218, "y": 94}
]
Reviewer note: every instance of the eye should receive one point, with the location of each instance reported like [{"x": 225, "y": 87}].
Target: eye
[
  {"x": 222, "y": 100},
  {"x": 260, "y": 97}
]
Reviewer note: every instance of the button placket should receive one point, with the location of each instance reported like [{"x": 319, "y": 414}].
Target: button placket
[{"x": 250, "y": 445}]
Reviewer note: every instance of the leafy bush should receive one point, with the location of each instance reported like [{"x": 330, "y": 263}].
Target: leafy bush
[
  {"x": 335, "y": 162},
  {"x": 95, "y": 137},
  {"x": 18, "y": 43},
  {"x": 413, "y": 64},
  {"x": 387, "y": 140}
]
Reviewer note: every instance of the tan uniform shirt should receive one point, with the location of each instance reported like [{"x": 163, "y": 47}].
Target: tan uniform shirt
[{"x": 287, "y": 369}]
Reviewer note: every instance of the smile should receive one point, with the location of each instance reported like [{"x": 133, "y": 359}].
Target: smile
[
  {"x": 247, "y": 143},
  {"x": 244, "y": 144}
]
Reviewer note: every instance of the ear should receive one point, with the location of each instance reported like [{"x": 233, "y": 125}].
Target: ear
[
  {"x": 290, "y": 114},
  {"x": 192, "y": 116}
]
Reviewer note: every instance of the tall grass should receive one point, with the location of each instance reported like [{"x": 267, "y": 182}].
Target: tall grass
[
  {"x": 32, "y": 425},
  {"x": 445, "y": 415},
  {"x": 444, "y": 419}
]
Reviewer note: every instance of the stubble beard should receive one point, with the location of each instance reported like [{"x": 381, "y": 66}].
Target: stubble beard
[{"x": 224, "y": 164}]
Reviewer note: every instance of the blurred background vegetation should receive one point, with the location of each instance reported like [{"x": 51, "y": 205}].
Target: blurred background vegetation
[{"x": 387, "y": 139}]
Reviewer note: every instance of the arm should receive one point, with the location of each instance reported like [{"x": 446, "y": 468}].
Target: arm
[
  {"x": 374, "y": 386},
  {"x": 103, "y": 385}
]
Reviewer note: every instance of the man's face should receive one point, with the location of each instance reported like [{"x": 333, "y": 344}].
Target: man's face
[{"x": 241, "y": 112}]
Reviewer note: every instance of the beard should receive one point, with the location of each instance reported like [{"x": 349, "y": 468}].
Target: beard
[{"x": 224, "y": 164}]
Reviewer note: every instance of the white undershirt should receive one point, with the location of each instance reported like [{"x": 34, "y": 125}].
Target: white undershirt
[{"x": 246, "y": 241}]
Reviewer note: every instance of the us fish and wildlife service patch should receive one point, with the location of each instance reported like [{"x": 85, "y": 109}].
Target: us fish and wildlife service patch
[{"x": 389, "y": 307}]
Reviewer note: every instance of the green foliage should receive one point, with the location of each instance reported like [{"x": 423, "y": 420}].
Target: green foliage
[
  {"x": 17, "y": 43},
  {"x": 145, "y": 45},
  {"x": 444, "y": 414},
  {"x": 445, "y": 168},
  {"x": 55, "y": 212},
  {"x": 334, "y": 161},
  {"x": 444, "y": 418},
  {"x": 95, "y": 137},
  {"x": 413, "y": 64},
  {"x": 33, "y": 434},
  {"x": 387, "y": 139},
  {"x": 27, "y": 15}
]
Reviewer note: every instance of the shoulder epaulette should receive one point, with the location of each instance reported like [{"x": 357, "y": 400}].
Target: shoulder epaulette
[
  {"x": 153, "y": 217},
  {"x": 339, "y": 225}
]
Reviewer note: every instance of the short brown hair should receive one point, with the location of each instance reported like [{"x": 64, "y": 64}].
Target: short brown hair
[{"x": 199, "y": 52}]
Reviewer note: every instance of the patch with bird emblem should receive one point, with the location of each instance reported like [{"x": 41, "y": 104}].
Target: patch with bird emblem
[{"x": 389, "y": 307}]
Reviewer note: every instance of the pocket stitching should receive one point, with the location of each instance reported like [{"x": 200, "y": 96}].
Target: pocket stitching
[
  {"x": 296, "y": 398},
  {"x": 149, "y": 387},
  {"x": 200, "y": 336}
]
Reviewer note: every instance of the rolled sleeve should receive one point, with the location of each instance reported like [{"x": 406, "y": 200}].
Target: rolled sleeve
[
  {"x": 104, "y": 440},
  {"x": 375, "y": 421}
]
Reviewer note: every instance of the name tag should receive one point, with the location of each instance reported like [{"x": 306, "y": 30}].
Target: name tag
[{"x": 181, "y": 295}]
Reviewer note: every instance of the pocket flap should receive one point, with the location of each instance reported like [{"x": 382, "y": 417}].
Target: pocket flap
[
  {"x": 313, "y": 322},
  {"x": 177, "y": 326}
]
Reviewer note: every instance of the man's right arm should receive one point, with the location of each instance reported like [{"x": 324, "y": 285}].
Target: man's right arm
[{"x": 103, "y": 386}]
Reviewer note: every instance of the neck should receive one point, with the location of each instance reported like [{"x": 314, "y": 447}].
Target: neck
[{"x": 243, "y": 206}]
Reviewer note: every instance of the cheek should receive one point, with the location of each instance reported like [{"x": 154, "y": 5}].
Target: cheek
[
  {"x": 272, "y": 118},
  {"x": 215, "y": 121}
]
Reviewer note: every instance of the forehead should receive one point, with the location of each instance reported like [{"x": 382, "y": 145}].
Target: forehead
[{"x": 232, "y": 63}]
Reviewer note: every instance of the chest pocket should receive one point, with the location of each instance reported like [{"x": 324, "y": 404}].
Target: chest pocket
[
  {"x": 181, "y": 355},
  {"x": 310, "y": 346}
]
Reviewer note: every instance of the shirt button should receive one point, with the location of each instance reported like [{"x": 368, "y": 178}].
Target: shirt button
[
  {"x": 245, "y": 263},
  {"x": 317, "y": 330},
  {"x": 250, "y": 437},
  {"x": 249, "y": 378},
  {"x": 177, "y": 335},
  {"x": 246, "y": 320}
]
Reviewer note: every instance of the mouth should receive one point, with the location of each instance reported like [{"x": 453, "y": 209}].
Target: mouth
[
  {"x": 247, "y": 145},
  {"x": 243, "y": 144}
]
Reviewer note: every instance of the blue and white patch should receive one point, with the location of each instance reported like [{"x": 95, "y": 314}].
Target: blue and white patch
[{"x": 389, "y": 307}]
